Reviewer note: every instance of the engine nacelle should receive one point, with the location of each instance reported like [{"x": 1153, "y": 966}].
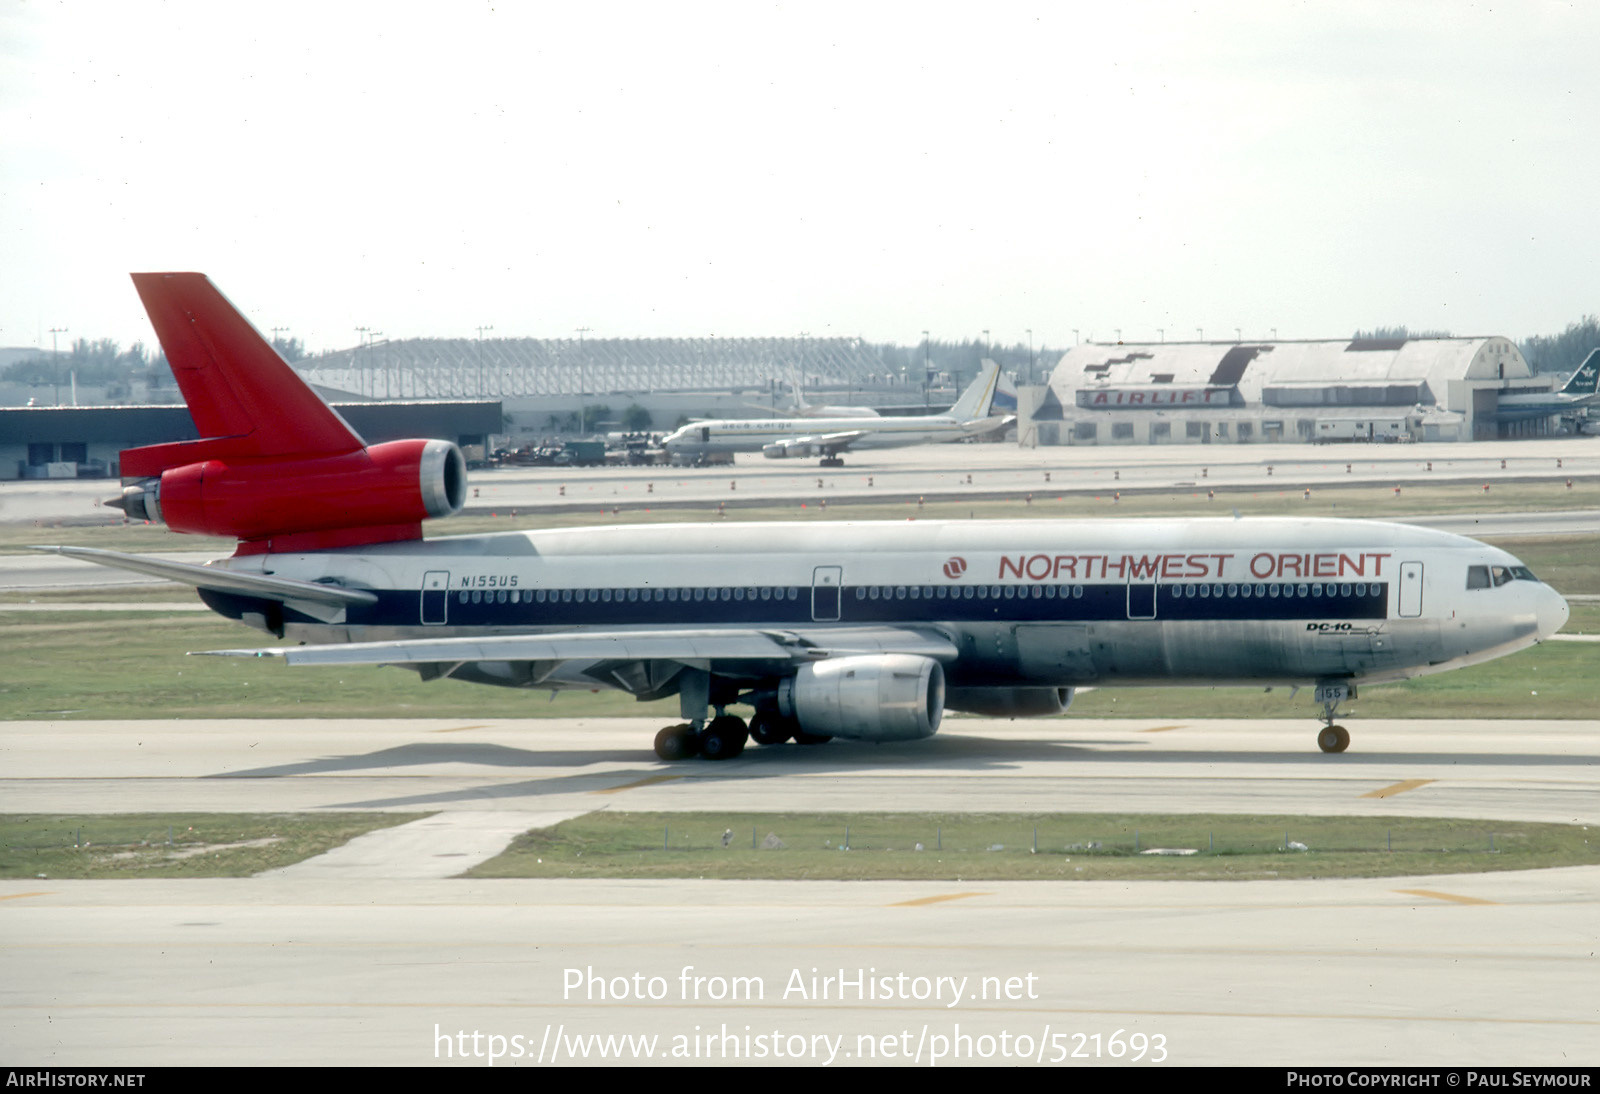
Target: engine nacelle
[
  {"x": 886, "y": 697},
  {"x": 399, "y": 482},
  {"x": 1009, "y": 702},
  {"x": 782, "y": 450}
]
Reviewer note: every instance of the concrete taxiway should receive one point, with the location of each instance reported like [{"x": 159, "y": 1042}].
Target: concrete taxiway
[
  {"x": 363, "y": 961},
  {"x": 1531, "y": 770},
  {"x": 947, "y": 472},
  {"x": 1447, "y": 970}
]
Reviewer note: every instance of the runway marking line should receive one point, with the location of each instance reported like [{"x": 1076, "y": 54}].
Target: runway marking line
[
  {"x": 922, "y": 901},
  {"x": 1398, "y": 788},
  {"x": 1160, "y": 729},
  {"x": 1452, "y": 897},
  {"x": 460, "y": 729},
  {"x": 649, "y": 780},
  {"x": 19, "y": 896}
]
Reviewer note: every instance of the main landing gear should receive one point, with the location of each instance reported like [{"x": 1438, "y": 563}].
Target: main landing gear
[
  {"x": 831, "y": 461},
  {"x": 1332, "y": 738},
  {"x": 724, "y": 737}
]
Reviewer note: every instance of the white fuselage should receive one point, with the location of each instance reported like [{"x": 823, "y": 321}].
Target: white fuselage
[
  {"x": 756, "y": 434},
  {"x": 1026, "y": 603}
]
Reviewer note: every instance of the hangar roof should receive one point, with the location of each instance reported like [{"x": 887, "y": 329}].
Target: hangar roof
[{"x": 1428, "y": 364}]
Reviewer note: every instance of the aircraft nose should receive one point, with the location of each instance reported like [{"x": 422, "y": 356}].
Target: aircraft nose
[{"x": 1552, "y": 612}]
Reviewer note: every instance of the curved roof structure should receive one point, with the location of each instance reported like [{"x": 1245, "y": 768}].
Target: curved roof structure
[{"x": 1369, "y": 372}]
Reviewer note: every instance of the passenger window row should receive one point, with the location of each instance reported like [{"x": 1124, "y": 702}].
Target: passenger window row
[
  {"x": 968, "y": 592},
  {"x": 623, "y": 596},
  {"x": 1268, "y": 591}
]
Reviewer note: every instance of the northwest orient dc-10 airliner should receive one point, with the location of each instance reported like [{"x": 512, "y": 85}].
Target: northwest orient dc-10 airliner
[{"x": 868, "y": 631}]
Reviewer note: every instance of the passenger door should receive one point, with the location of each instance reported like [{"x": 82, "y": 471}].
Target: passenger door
[
  {"x": 825, "y": 584},
  {"x": 1410, "y": 590},
  {"x": 435, "y": 597}
]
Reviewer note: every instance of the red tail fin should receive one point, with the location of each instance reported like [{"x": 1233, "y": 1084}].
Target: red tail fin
[
  {"x": 243, "y": 397},
  {"x": 275, "y": 466}
]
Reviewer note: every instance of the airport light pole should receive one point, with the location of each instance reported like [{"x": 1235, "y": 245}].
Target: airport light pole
[
  {"x": 55, "y": 360},
  {"x": 582, "y": 358},
  {"x": 1030, "y": 355},
  {"x": 355, "y": 358},
  {"x": 927, "y": 369},
  {"x": 481, "y": 329},
  {"x": 372, "y": 341}
]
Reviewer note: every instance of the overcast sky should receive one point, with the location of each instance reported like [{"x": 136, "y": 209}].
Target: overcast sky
[{"x": 689, "y": 169}]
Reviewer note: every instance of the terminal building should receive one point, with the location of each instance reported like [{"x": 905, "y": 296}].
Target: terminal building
[
  {"x": 70, "y": 442},
  {"x": 1400, "y": 389}
]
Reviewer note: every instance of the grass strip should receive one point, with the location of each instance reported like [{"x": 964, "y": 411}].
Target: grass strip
[
  {"x": 169, "y": 845},
  {"x": 1024, "y": 847}
]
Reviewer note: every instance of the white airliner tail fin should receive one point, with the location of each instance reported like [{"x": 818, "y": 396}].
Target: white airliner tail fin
[
  {"x": 1586, "y": 381},
  {"x": 976, "y": 400}
]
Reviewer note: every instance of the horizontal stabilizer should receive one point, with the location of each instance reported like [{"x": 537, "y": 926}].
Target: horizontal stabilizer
[{"x": 227, "y": 581}]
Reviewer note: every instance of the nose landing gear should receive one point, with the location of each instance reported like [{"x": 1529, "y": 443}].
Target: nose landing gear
[{"x": 1333, "y": 738}]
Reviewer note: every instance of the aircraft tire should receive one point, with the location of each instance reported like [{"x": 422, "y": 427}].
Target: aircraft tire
[
  {"x": 769, "y": 729},
  {"x": 803, "y": 738},
  {"x": 724, "y": 738},
  {"x": 676, "y": 743},
  {"x": 1333, "y": 739}
]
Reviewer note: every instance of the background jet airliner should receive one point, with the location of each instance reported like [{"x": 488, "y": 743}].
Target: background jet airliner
[
  {"x": 827, "y": 437},
  {"x": 1581, "y": 390},
  {"x": 1004, "y": 403},
  {"x": 869, "y": 631}
]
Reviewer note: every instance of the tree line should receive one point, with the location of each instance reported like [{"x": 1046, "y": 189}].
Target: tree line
[{"x": 101, "y": 362}]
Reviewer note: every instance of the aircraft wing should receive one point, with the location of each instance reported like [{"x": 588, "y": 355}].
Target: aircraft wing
[
  {"x": 689, "y": 645},
  {"x": 228, "y": 581}
]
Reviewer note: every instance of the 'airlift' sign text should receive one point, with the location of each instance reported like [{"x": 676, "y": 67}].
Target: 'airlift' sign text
[
  {"x": 1115, "y": 398},
  {"x": 1229, "y": 566}
]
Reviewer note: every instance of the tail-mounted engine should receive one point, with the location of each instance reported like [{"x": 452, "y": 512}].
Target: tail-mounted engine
[{"x": 397, "y": 484}]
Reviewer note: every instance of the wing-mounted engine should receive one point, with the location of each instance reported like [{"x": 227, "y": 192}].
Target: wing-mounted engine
[
  {"x": 890, "y": 697},
  {"x": 784, "y": 450}
]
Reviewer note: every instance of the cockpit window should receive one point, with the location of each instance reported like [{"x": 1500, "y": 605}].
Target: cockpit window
[{"x": 1484, "y": 577}]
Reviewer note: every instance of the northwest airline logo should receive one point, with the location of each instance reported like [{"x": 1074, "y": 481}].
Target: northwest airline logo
[{"x": 955, "y": 568}]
